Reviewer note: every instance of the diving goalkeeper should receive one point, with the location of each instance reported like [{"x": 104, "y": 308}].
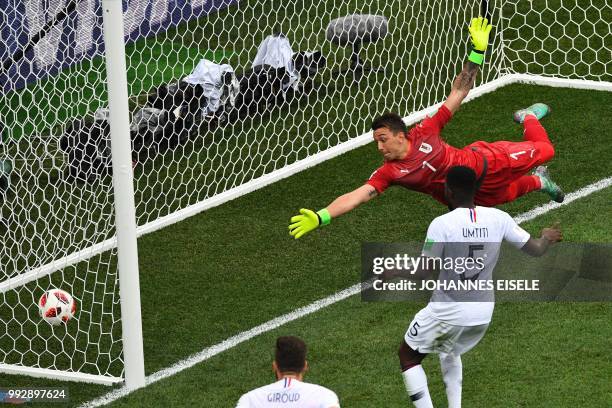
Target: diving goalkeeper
[{"x": 418, "y": 159}]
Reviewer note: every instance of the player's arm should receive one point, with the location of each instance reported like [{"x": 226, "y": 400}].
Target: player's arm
[
  {"x": 539, "y": 246},
  {"x": 309, "y": 220},
  {"x": 349, "y": 201},
  {"x": 479, "y": 33},
  {"x": 461, "y": 86}
]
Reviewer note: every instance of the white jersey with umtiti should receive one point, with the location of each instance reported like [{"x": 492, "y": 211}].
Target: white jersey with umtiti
[
  {"x": 291, "y": 393},
  {"x": 468, "y": 241}
]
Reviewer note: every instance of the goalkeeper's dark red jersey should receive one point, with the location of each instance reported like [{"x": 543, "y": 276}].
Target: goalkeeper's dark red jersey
[
  {"x": 501, "y": 167},
  {"x": 425, "y": 166}
]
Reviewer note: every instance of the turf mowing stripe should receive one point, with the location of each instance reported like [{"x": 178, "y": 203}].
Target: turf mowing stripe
[
  {"x": 233, "y": 341},
  {"x": 582, "y": 192}
]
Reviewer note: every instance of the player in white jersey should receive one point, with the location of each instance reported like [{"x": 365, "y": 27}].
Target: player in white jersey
[
  {"x": 289, "y": 390},
  {"x": 453, "y": 322}
]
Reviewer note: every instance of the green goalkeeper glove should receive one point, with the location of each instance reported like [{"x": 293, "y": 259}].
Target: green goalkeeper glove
[
  {"x": 308, "y": 221},
  {"x": 479, "y": 32}
]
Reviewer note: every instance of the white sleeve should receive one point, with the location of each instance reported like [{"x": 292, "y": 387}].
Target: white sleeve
[
  {"x": 330, "y": 400},
  {"x": 514, "y": 234},
  {"x": 243, "y": 402},
  {"x": 434, "y": 241}
]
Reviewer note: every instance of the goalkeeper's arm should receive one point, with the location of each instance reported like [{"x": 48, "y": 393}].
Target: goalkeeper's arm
[
  {"x": 309, "y": 220},
  {"x": 479, "y": 33}
]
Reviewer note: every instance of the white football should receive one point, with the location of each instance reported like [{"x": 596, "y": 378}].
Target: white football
[{"x": 56, "y": 306}]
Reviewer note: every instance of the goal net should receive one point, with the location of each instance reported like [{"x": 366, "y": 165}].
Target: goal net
[{"x": 225, "y": 96}]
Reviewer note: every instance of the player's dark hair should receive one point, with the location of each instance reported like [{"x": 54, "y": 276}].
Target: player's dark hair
[
  {"x": 290, "y": 354},
  {"x": 461, "y": 181},
  {"x": 391, "y": 121}
]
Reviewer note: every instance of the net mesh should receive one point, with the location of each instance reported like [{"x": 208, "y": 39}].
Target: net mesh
[{"x": 558, "y": 38}]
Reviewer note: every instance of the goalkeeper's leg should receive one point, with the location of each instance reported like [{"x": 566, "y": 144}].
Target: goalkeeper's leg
[
  {"x": 518, "y": 159},
  {"x": 534, "y": 132},
  {"x": 543, "y": 151},
  {"x": 521, "y": 186},
  {"x": 538, "y": 181}
]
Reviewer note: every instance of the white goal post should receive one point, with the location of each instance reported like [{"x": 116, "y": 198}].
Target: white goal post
[
  {"x": 123, "y": 183},
  {"x": 101, "y": 142}
]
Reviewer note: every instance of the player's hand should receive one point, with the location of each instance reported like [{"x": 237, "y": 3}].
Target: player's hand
[
  {"x": 302, "y": 224},
  {"x": 479, "y": 31},
  {"x": 553, "y": 233}
]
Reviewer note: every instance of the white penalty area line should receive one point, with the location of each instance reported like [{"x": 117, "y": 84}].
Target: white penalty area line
[
  {"x": 573, "y": 196},
  {"x": 277, "y": 322}
]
